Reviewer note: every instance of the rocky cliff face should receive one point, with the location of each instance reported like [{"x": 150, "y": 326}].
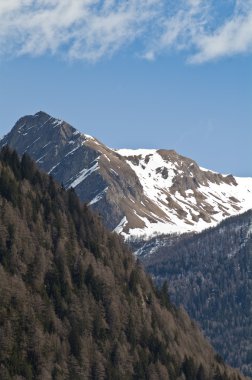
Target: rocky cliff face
[{"x": 137, "y": 192}]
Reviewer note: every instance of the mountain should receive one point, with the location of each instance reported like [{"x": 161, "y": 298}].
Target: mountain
[
  {"x": 137, "y": 192},
  {"x": 75, "y": 303},
  {"x": 210, "y": 273}
]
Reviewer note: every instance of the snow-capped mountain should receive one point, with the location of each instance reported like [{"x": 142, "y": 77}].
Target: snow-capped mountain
[
  {"x": 136, "y": 192},
  {"x": 189, "y": 198}
]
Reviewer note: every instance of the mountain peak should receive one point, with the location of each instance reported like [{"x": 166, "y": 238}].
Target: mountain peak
[
  {"x": 139, "y": 192},
  {"x": 41, "y": 114},
  {"x": 30, "y": 123},
  {"x": 43, "y": 136}
]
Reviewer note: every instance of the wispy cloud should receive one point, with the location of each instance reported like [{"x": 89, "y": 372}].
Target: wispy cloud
[
  {"x": 233, "y": 37},
  {"x": 92, "y": 29}
]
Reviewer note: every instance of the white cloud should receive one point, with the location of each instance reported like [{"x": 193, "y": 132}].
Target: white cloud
[
  {"x": 84, "y": 29},
  {"x": 92, "y": 29},
  {"x": 234, "y": 37}
]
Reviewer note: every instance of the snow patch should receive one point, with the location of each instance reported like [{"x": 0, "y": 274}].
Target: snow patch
[
  {"x": 32, "y": 144},
  {"x": 135, "y": 152},
  {"x": 57, "y": 122},
  {"x": 46, "y": 145},
  {"x": 104, "y": 155},
  {"x": 41, "y": 126},
  {"x": 41, "y": 158},
  {"x": 83, "y": 175},
  {"x": 121, "y": 225},
  {"x": 88, "y": 137},
  {"x": 72, "y": 151},
  {"x": 21, "y": 127},
  {"x": 55, "y": 166},
  {"x": 207, "y": 170},
  {"x": 98, "y": 197},
  {"x": 113, "y": 171}
]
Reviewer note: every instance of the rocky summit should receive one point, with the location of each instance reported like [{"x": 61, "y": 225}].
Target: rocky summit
[{"x": 137, "y": 192}]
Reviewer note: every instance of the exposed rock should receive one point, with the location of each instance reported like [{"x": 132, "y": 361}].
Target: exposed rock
[{"x": 153, "y": 191}]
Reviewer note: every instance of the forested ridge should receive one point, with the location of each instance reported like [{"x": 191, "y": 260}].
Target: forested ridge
[
  {"x": 211, "y": 275},
  {"x": 74, "y": 302}
]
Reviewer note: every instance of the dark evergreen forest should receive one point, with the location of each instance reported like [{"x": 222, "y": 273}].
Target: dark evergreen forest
[
  {"x": 211, "y": 275},
  {"x": 75, "y": 303}
]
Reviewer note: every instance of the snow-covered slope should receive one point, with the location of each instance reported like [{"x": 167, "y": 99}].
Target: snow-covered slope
[
  {"x": 204, "y": 198},
  {"x": 137, "y": 192}
]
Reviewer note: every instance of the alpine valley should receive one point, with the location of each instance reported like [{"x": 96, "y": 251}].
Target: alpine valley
[{"x": 188, "y": 225}]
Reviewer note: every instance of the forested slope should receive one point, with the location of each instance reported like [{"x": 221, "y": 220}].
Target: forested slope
[
  {"x": 74, "y": 303},
  {"x": 211, "y": 275}
]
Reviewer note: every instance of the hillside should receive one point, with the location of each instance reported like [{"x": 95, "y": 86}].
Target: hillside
[
  {"x": 211, "y": 275},
  {"x": 137, "y": 192},
  {"x": 74, "y": 303}
]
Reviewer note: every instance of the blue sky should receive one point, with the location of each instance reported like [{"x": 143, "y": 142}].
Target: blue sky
[{"x": 149, "y": 74}]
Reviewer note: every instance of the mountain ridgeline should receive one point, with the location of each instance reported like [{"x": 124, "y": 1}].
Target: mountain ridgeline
[
  {"x": 211, "y": 275},
  {"x": 75, "y": 303},
  {"x": 137, "y": 192}
]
